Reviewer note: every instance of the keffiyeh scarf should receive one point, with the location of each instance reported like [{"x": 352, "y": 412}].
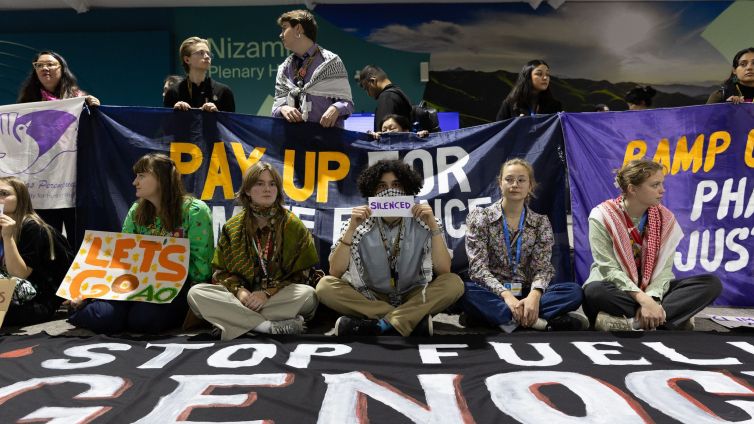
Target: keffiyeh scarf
[{"x": 330, "y": 79}]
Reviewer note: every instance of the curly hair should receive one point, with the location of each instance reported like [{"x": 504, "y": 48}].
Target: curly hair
[{"x": 368, "y": 180}]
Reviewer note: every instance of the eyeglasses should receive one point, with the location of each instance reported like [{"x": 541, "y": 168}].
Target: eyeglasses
[
  {"x": 202, "y": 53},
  {"x": 519, "y": 180},
  {"x": 6, "y": 193},
  {"x": 744, "y": 63},
  {"x": 48, "y": 65}
]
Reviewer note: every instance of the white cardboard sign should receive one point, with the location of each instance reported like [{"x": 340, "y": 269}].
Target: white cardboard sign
[{"x": 391, "y": 206}]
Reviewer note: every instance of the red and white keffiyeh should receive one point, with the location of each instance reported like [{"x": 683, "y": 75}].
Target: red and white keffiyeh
[{"x": 661, "y": 237}]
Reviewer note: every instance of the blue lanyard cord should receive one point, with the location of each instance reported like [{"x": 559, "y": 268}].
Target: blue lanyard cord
[{"x": 507, "y": 236}]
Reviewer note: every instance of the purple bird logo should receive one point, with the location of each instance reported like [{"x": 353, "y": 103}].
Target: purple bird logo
[{"x": 30, "y": 142}]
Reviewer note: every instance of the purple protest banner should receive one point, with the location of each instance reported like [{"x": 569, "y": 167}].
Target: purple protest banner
[{"x": 708, "y": 152}]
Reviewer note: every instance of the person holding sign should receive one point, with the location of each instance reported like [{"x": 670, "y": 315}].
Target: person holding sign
[
  {"x": 509, "y": 247},
  {"x": 163, "y": 209},
  {"x": 739, "y": 87},
  {"x": 312, "y": 83},
  {"x": 198, "y": 90},
  {"x": 51, "y": 79},
  {"x": 633, "y": 238},
  {"x": 263, "y": 260},
  {"x": 32, "y": 254},
  {"x": 389, "y": 272}
]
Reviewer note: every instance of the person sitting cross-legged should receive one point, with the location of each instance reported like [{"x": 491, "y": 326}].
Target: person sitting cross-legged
[
  {"x": 389, "y": 273},
  {"x": 633, "y": 238},
  {"x": 263, "y": 258},
  {"x": 510, "y": 248}
]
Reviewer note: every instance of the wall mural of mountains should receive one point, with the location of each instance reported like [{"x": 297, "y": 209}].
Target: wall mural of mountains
[{"x": 477, "y": 95}]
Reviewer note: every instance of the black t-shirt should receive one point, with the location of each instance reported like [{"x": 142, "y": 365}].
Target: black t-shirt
[
  {"x": 47, "y": 273},
  {"x": 208, "y": 91},
  {"x": 392, "y": 100}
]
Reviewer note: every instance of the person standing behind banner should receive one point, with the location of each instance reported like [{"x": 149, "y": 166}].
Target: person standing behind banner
[
  {"x": 263, "y": 259},
  {"x": 391, "y": 100},
  {"x": 640, "y": 97},
  {"x": 197, "y": 89},
  {"x": 32, "y": 253},
  {"x": 52, "y": 79},
  {"x": 633, "y": 238},
  {"x": 163, "y": 209},
  {"x": 312, "y": 83},
  {"x": 168, "y": 82},
  {"x": 739, "y": 87},
  {"x": 381, "y": 268},
  {"x": 531, "y": 94},
  {"x": 509, "y": 247},
  {"x": 396, "y": 123}
]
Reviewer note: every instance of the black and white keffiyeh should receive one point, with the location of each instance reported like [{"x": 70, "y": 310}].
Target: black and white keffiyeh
[{"x": 330, "y": 79}]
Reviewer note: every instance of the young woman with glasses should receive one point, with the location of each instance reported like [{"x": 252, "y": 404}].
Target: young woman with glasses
[{"x": 51, "y": 79}]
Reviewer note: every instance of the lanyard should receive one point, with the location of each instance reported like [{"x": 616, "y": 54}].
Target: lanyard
[
  {"x": 392, "y": 253},
  {"x": 300, "y": 73},
  {"x": 256, "y": 243},
  {"x": 508, "y": 243}
]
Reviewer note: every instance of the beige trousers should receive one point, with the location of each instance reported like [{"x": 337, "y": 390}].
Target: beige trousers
[
  {"x": 217, "y": 305},
  {"x": 442, "y": 292}
]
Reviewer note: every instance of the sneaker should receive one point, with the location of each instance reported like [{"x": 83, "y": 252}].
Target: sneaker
[
  {"x": 347, "y": 326},
  {"x": 424, "y": 328},
  {"x": 605, "y": 322},
  {"x": 288, "y": 326},
  {"x": 539, "y": 325},
  {"x": 571, "y": 321}
]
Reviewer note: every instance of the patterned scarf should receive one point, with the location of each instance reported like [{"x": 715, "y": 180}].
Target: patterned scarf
[
  {"x": 661, "y": 236},
  {"x": 330, "y": 79}
]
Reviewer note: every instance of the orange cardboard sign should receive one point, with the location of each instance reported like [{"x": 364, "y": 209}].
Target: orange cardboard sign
[{"x": 119, "y": 266}]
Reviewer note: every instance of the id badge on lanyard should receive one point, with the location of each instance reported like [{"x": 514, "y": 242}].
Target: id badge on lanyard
[{"x": 516, "y": 285}]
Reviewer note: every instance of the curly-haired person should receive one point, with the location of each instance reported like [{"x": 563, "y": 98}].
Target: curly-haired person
[{"x": 389, "y": 273}]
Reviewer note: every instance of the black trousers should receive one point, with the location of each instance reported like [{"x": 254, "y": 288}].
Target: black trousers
[{"x": 684, "y": 299}]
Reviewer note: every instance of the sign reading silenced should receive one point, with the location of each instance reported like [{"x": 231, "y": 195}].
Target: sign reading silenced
[
  {"x": 121, "y": 266},
  {"x": 391, "y": 206}
]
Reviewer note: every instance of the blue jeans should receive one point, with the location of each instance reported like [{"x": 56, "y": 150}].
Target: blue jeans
[
  {"x": 486, "y": 306},
  {"x": 117, "y": 316}
]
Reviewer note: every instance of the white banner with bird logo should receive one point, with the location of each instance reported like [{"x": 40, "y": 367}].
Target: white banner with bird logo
[{"x": 38, "y": 145}]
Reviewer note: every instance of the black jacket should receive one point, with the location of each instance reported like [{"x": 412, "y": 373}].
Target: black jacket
[
  {"x": 208, "y": 91},
  {"x": 391, "y": 100}
]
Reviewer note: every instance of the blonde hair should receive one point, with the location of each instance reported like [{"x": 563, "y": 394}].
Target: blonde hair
[
  {"x": 185, "y": 49},
  {"x": 252, "y": 176},
  {"x": 529, "y": 169},
  {"x": 635, "y": 173}
]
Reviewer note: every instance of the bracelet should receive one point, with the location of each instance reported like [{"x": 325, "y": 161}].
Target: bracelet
[
  {"x": 346, "y": 243},
  {"x": 266, "y": 293},
  {"x": 436, "y": 232}
]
